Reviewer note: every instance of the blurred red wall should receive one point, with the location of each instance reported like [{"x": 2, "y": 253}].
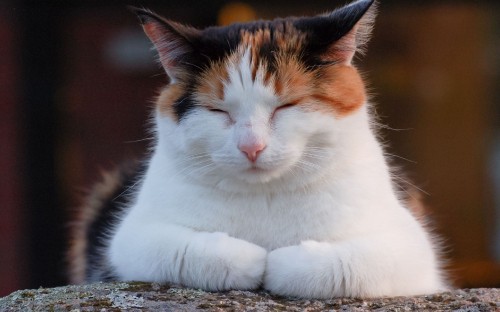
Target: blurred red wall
[{"x": 12, "y": 238}]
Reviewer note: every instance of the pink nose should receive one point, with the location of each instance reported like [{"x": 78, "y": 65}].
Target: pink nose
[{"x": 252, "y": 150}]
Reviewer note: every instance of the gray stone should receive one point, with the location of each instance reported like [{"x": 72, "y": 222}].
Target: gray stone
[{"x": 138, "y": 296}]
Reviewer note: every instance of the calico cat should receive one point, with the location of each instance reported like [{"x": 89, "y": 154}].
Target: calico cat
[{"x": 266, "y": 171}]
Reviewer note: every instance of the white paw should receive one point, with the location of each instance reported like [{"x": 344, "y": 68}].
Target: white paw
[
  {"x": 305, "y": 271},
  {"x": 216, "y": 261}
]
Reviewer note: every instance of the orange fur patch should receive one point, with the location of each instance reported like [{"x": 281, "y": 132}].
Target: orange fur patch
[
  {"x": 211, "y": 88},
  {"x": 168, "y": 96},
  {"x": 293, "y": 82},
  {"x": 341, "y": 88},
  {"x": 337, "y": 88}
]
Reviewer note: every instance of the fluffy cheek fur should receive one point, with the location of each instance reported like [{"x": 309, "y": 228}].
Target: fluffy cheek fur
[
  {"x": 200, "y": 132},
  {"x": 301, "y": 138},
  {"x": 297, "y": 142}
]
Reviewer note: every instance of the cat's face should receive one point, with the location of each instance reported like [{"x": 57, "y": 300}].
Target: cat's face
[{"x": 262, "y": 101}]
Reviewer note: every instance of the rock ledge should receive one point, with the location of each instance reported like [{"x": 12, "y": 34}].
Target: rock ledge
[{"x": 138, "y": 296}]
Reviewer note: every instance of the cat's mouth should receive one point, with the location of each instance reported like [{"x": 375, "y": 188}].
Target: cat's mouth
[
  {"x": 265, "y": 170},
  {"x": 255, "y": 169}
]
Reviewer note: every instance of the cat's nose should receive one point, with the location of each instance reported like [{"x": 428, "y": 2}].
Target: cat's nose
[{"x": 252, "y": 150}]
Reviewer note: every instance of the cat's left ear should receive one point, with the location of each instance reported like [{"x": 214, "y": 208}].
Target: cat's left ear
[
  {"x": 338, "y": 35},
  {"x": 175, "y": 43}
]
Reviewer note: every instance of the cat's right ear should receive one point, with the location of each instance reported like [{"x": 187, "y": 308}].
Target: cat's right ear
[{"x": 173, "y": 42}]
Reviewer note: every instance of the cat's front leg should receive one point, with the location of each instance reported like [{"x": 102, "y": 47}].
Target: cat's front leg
[
  {"x": 170, "y": 253},
  {"x": 364, "y": 267},
  {"x": 325, "y": 270},
  {"x": 308, "y": 270},
  {"x": 216, "y": 261}
]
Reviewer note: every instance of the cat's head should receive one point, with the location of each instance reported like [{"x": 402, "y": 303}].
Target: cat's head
[{"x": 259, "y": 102}]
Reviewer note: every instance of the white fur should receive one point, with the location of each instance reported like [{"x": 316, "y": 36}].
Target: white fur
[{"x": 317, "y": 217}]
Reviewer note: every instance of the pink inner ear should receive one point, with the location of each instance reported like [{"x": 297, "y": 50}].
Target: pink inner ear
[
  {"x": 343, "y": 50},
  {"x": 160, "y": 38},
  {"x": 153, "y": 32}
]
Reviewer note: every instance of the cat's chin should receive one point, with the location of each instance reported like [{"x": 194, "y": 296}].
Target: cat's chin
[
  {"x": 262, "y": 180},
  {"x": 254, "y": 175},
  {"x": 258, "y": 175}
]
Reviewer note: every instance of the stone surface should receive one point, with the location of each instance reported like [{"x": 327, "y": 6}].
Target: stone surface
[{"x": 136, "y": 296}]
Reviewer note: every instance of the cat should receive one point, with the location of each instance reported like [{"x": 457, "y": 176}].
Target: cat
[{"x": 266, "y": 171}]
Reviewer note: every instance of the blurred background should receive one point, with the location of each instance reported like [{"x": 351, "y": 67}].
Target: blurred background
[{"x": 77, "y": 79}]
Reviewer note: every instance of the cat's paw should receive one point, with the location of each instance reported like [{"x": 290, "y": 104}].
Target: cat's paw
[
  {"x": 223, "y": 262},
  {"x": 305, "y": 271}
]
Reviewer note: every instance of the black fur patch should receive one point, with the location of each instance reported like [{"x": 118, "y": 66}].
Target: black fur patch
[
  {"x": 98, "y": 268},
  {"x": 323, "y": 31},
  {"x": 184, "y": 105}
]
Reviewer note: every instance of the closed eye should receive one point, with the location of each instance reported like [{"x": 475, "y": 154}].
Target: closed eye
[
  {"x": 216, "y": 110},
  {"x": 221, "y": 113},
  {"x": 282, "y": 107},
  {"x": 285, "y": 106}
]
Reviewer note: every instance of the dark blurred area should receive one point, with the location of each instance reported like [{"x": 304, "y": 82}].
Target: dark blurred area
[{"x": 77, "y": 80}]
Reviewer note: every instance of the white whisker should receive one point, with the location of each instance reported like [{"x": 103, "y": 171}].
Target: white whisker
[
  {"x": 139, "y": 140},
  {"x": 202, "y": 170},
  {"x": 384, "y": 126},
  {"x": 127, "y": 190},
  {"x": 400, "y": 157},
  {"x": 395, "y": 177}
]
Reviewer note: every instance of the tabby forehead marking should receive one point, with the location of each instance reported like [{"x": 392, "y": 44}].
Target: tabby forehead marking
[
  {"x": 264, "y": 45},
  {"x": 244, "y": 84}
]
